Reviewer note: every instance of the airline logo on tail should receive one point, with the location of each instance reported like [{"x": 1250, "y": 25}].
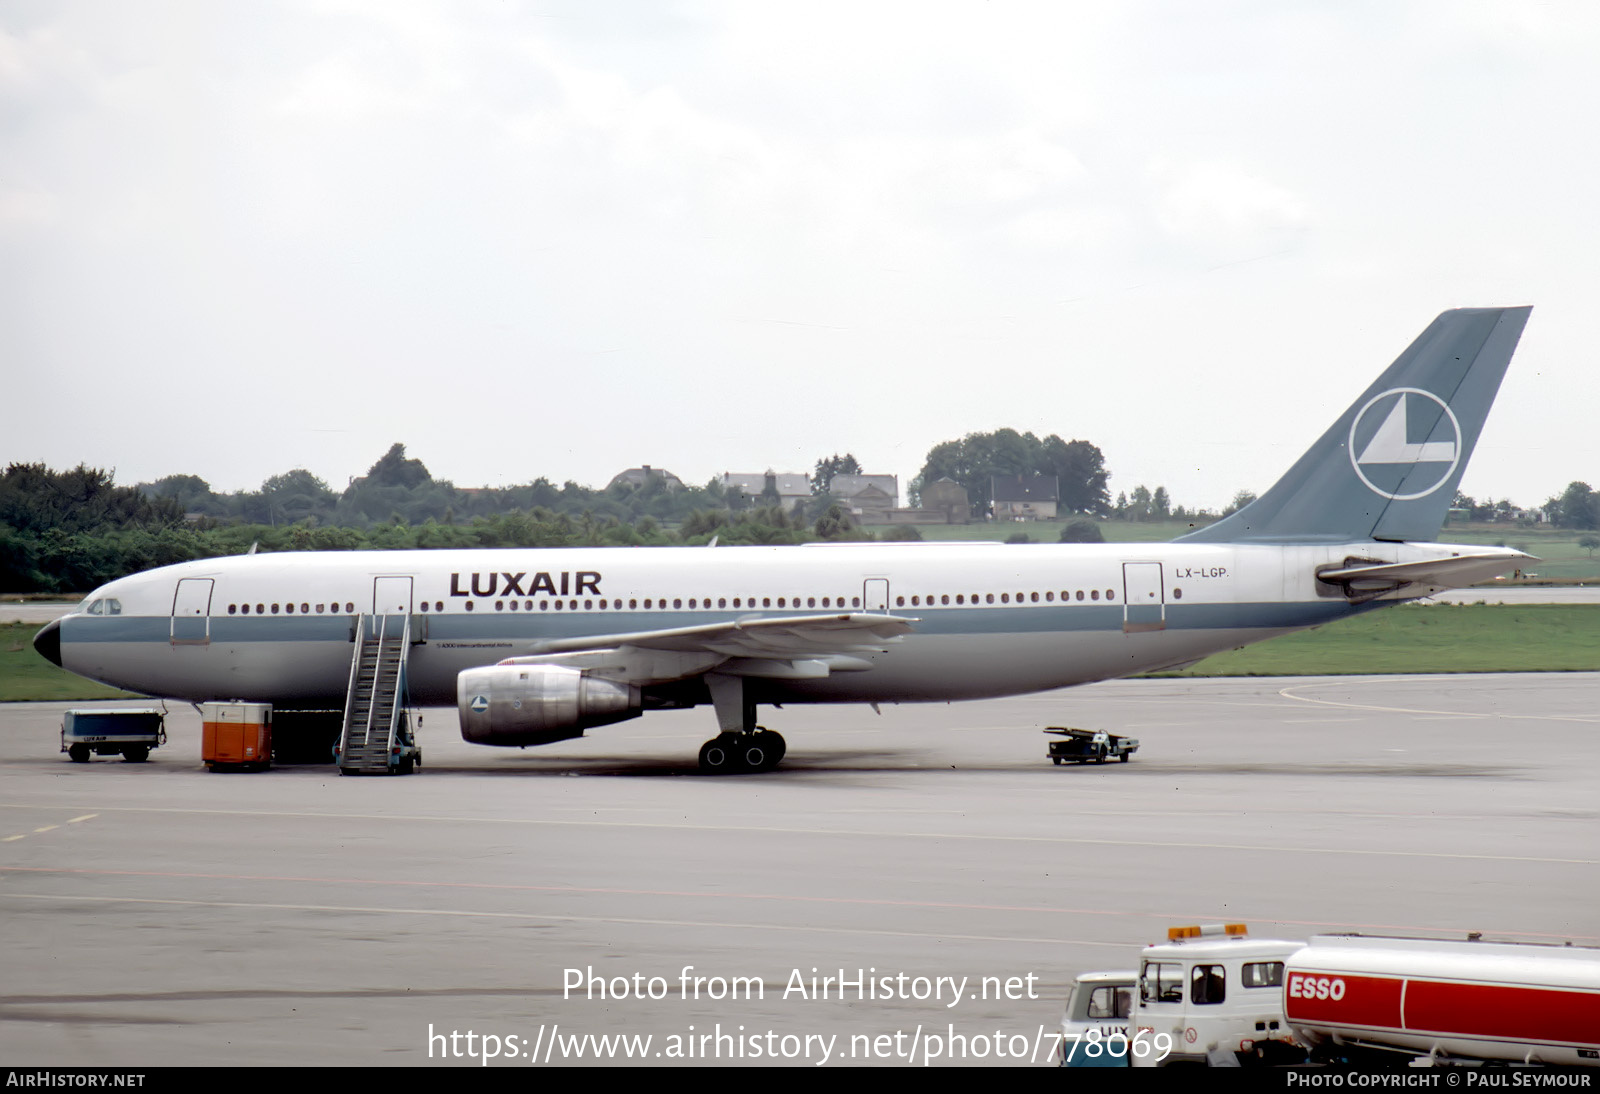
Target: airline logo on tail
[{"x": 1385, "y": 455}]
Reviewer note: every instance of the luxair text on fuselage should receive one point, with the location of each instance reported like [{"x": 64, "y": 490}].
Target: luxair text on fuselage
[{"x": 565, "y": 583}]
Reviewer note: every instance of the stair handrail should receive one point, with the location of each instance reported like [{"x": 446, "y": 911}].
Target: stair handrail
[
  {"x": 350, "y": 689},
  {"x": 400, "y": 685},
  {"x": 377, "y": 674}
]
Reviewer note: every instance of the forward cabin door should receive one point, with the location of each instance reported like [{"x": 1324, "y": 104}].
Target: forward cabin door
[
  {"x": 1144, "y": 606},
  {"x": 191, "y": 612},
  {"x": 391, "y": 595}
]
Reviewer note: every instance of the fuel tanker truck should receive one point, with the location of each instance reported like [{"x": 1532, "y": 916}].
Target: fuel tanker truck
[{"x": 1214, "y": 996}]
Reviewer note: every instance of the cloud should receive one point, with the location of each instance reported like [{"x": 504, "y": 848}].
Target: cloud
[
  {"x": 26, "y": 208},
  {"x": 1222, "y": 204},
  {"x": 678, "y": 209}
]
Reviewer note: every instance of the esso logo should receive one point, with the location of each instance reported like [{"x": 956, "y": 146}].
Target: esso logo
[{"x": 1316, "y": 987}]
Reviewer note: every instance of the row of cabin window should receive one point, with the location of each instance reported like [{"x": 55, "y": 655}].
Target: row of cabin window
[
  {"x": 305, "y": 609},
  {"x": 1005, "y": 598},
  {"x": 544, "y": 605},
  {"x": 651, "y": 603},
  {"x": 810, "y": 601}
]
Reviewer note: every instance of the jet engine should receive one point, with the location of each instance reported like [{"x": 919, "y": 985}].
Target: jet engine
[{"x": 536, "y": 704}]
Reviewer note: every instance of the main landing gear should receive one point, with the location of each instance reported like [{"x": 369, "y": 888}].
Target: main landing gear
[
  {"x": 742, "y": 753},
  {"x": 742, "y": 747}
]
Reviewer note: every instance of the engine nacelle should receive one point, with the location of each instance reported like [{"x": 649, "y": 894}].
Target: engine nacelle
[{"x": 536, "y": 704}]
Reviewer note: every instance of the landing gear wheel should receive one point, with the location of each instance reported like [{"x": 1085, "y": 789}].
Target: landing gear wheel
[
  {"x": 756, "y": 757},
  {"x": 772, "y": 743},
  {"x": 743, "y": 753},
  {"x": 79, "y": 754},
  {"x": 721, "y": 755},
  {"x": 136, "y": 754}
]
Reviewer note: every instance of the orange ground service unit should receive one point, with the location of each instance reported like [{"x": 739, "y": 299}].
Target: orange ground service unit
[{"x": 236, "y": 736}]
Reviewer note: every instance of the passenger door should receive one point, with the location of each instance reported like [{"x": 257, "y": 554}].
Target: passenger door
[
  {"x": 1144, "y": 605},
  {"x": 875, "y": 594},
  {"x": 191, "y": 612},
  {"x": 391, "y": 596}
]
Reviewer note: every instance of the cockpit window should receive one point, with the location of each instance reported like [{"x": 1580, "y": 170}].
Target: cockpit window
[
  {"x": 113, "y": 606},
  {"x": 97, "y": 608}
]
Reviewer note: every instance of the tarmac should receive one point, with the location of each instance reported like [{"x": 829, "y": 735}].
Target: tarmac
[{"x": 929, "y": 860}]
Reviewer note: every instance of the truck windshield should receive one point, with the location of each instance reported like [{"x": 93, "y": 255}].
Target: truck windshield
[{"x": 1110, "y": 1002}]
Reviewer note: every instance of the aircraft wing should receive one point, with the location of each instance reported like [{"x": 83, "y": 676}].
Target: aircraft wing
[
  {"x": 806, "y": 646},
  {"x": 795, "y": 636},
  {"x": 1441, "y": 573}
]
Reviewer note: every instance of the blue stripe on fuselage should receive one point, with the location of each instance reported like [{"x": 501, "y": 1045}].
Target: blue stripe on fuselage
[{"x": 533, "y": 626}]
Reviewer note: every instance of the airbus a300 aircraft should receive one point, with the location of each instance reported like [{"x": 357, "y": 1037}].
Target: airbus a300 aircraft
[{"x": 535, "y": 646}]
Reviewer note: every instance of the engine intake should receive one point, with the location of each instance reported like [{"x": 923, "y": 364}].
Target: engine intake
[{"x": 514, "y": 705}]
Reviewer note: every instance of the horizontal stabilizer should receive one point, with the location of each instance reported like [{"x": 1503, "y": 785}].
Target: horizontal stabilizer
[{"x": 1439, "y": 573}]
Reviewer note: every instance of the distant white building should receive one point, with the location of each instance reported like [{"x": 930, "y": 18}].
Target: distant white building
[
  {"x": 869, "y": 497},
  {"x": 1018, "y": 498},
  {"x": 638, "y": 476},
  {"x": 944, "y": 497},
  {"x": 790, "y": 487}
]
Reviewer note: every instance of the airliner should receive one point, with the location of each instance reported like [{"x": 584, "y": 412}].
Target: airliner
[{"x": 539, "y": 645}]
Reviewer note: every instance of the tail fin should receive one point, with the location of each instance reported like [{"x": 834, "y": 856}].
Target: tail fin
[{"x": 1389, "y": 467}]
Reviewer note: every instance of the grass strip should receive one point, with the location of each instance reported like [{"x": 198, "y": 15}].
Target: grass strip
[
  {"x": 1416, "y": 638},
  {"x": 1411, "y": 638},
  {"x": 25, "y": 677}
]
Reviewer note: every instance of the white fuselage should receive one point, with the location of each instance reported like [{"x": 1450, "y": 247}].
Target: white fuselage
[{"x": 990, "y": 619}]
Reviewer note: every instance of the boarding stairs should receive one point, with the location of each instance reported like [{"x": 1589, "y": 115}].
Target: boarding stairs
[{"x": 377, "y": 736}]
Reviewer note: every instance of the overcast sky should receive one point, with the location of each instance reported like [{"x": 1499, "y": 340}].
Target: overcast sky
[{"x": 565, "y": 238}]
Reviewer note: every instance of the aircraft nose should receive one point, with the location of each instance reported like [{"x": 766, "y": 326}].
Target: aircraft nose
[{"x": 48, "y": 642}]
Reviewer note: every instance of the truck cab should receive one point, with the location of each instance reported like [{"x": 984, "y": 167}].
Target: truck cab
[
  {"x": 100, "y": 732},
  {"x": 1217, "y": 996},
  {"x": 1094, "y": 1026}
]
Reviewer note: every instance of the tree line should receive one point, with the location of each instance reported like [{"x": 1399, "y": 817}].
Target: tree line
[
  {"x": 974, "y": 461},
  {"x": 398, "y": 489},
  {"x": 63, "y": 531},
  {"x": 74, "y": 530}
]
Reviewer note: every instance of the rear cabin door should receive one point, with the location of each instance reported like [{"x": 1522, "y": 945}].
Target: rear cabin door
[
  {"x": 191, "y": 612},
  {"x": 1143, "y": 597}
]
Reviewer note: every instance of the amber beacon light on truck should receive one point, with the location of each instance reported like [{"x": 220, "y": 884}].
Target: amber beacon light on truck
[{"x": 1208, "y": 930}]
